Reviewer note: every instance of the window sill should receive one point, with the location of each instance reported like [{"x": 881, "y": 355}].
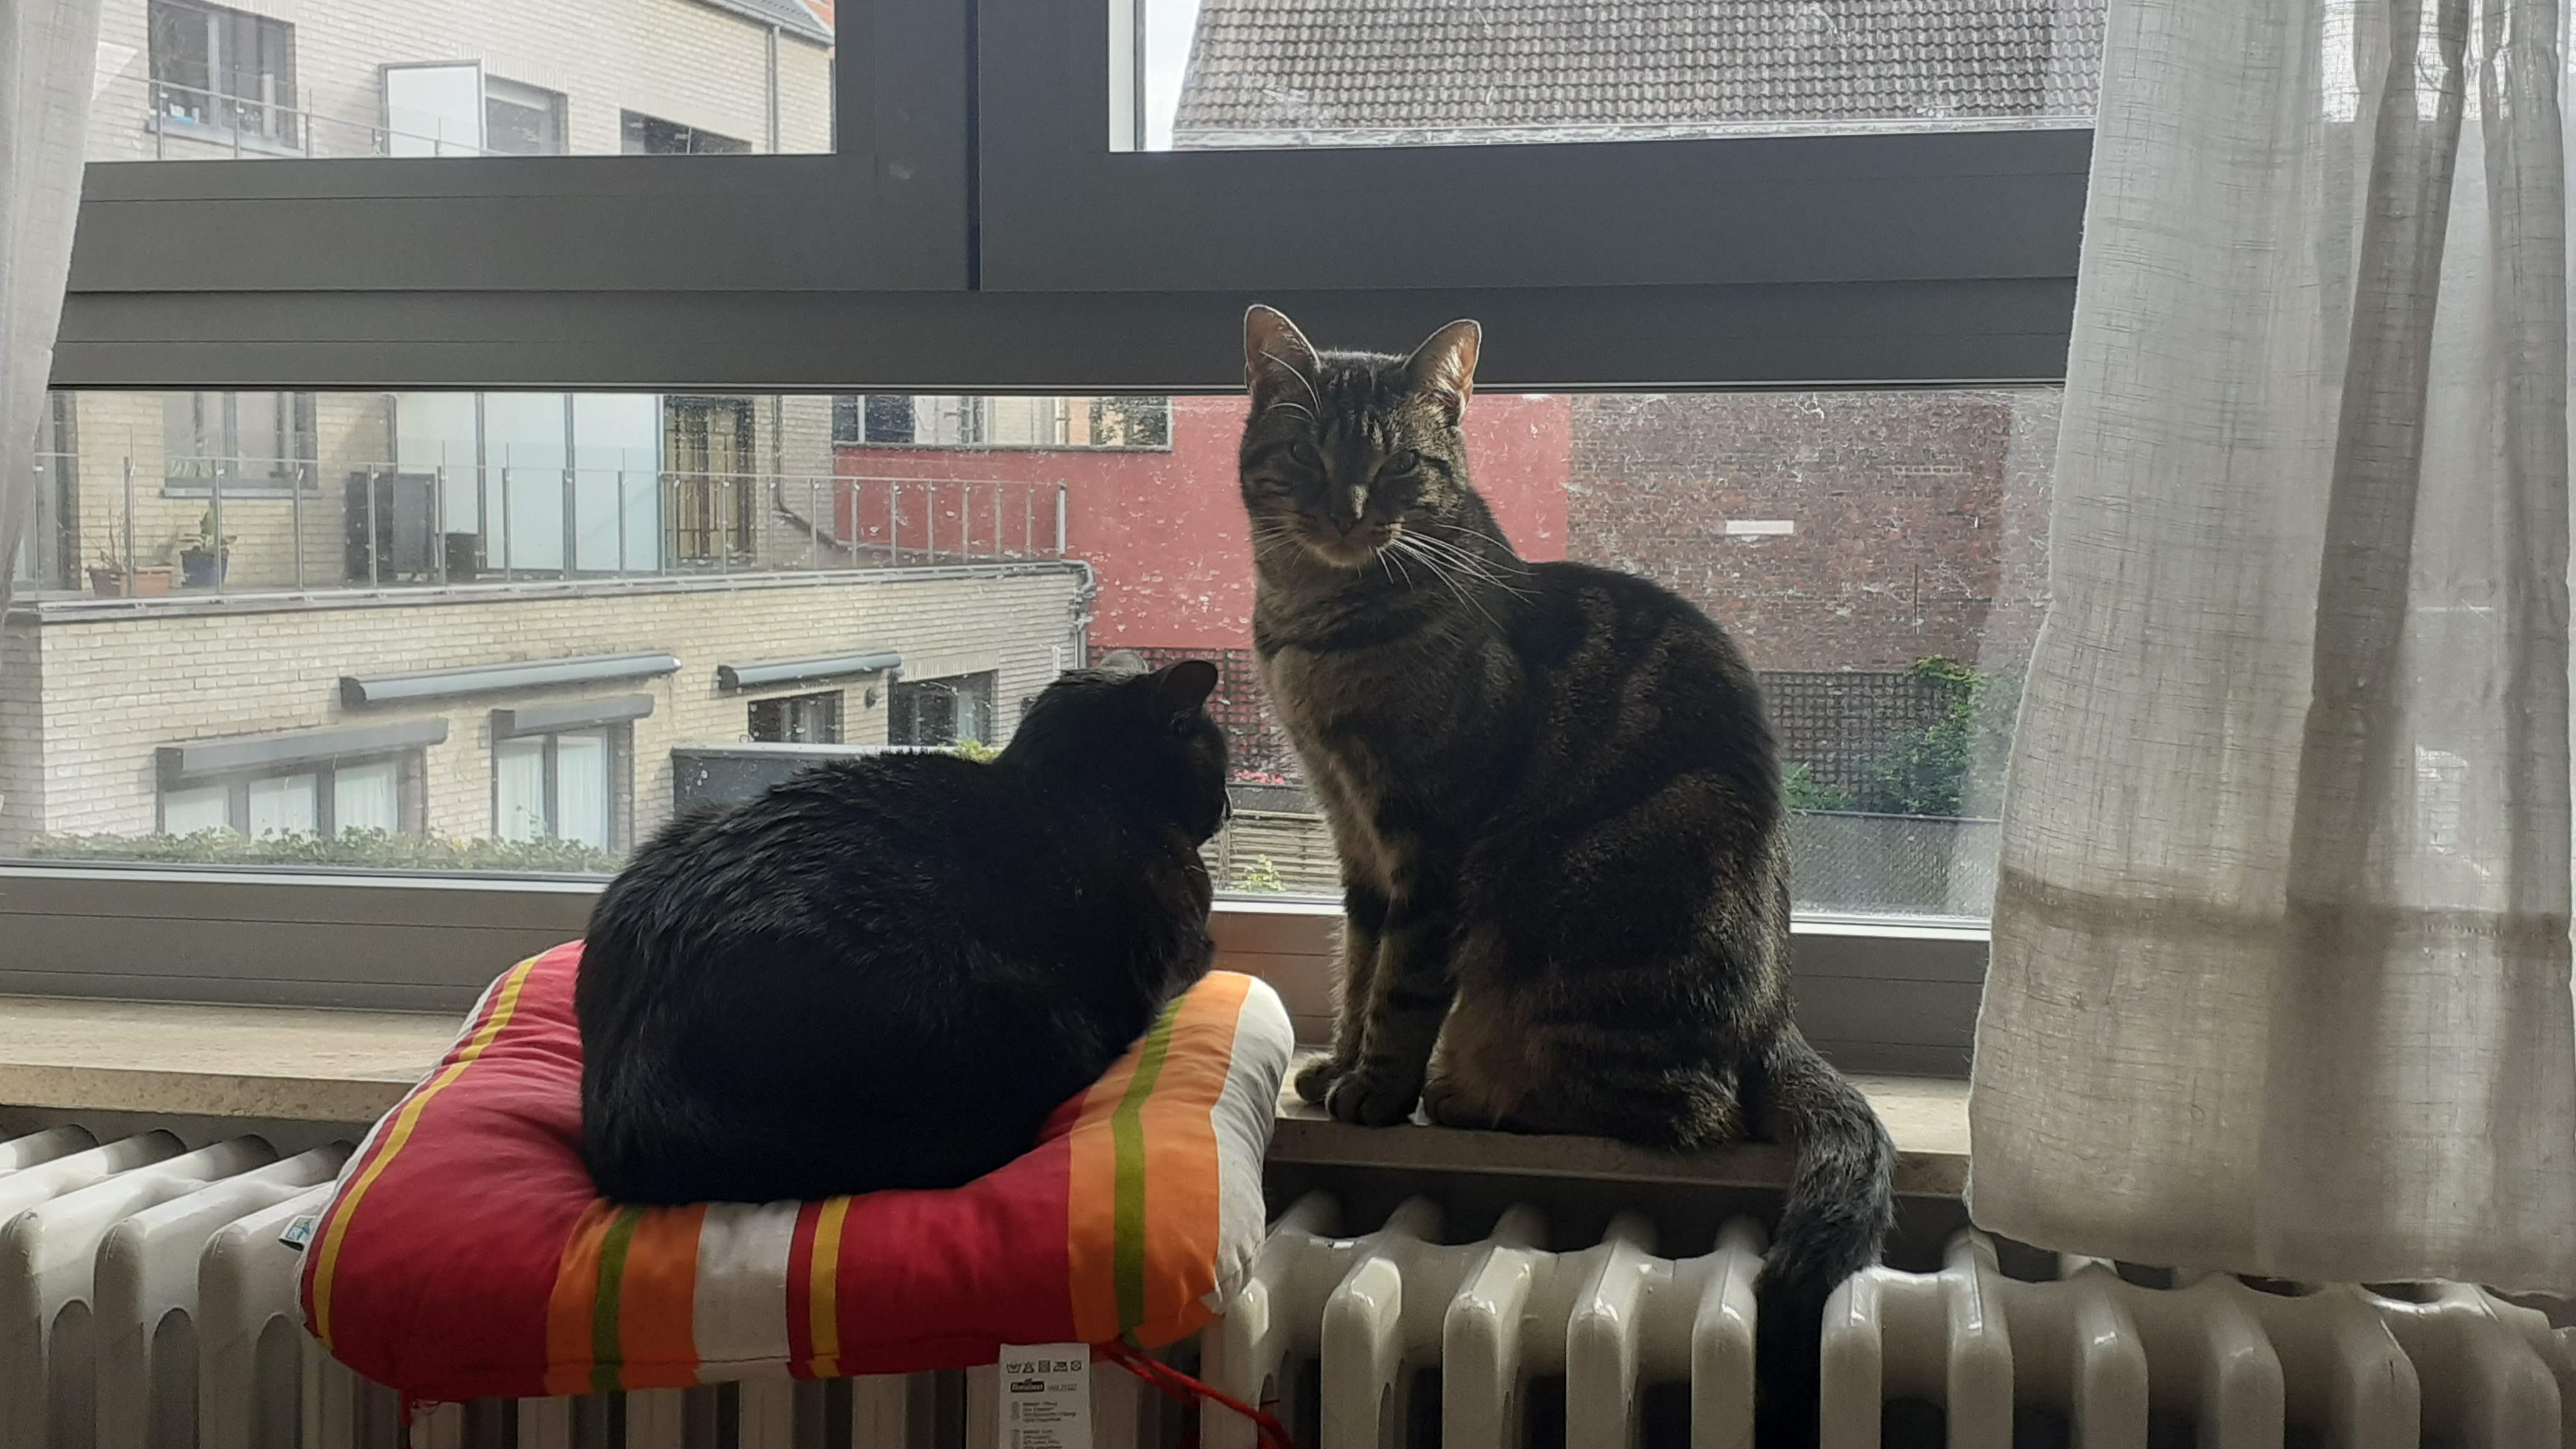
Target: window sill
[{"x": 347, "y": 1068}]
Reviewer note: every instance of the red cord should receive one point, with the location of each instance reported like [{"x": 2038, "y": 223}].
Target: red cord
[{"x": 1183, "y": 1389}]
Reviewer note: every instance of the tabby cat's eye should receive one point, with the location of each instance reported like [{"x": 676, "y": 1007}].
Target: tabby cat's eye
[
  {"x": 1304, "y": 452},
  {"x": 1403, "y": 462}
]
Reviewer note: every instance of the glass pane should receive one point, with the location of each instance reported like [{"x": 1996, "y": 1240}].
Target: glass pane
[
  {"x": 284, "y": 805},
  {"x": 1215, "y": 74},
  {"x": 367, "y": 797},
  {"x": 581, "y": 788},
  {"x": 202, "y": 807},
  {"x": 1881, "y": 556},
  {"x": 519, "y": 789},
  {"x": 186, "y": 80}
]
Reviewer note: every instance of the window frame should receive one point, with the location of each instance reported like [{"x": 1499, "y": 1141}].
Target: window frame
[
  {"x": 410, "y": 770},
  {"x": 618, "y": 760},
  {"x": 947, "y": 244}
]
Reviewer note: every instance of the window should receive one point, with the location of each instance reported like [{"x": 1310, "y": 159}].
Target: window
[
  {"x": 652, "y": 136},
  {"x": 714, "y": 489},
  {"x": 260, "y": 439},
  {"x": 797, "y": 719},
  {"x": 941, "y": 711},
  {"x": 326, "y": 802},
  {"x": 566, "y": 786},
  {"x": 1003, "y": 422},
  {"x": 957, "y": 387},
  {"x": 1287, "y": 73},
  {"x": 521, "y": 120},
  {"x": 223, "y": 69}
]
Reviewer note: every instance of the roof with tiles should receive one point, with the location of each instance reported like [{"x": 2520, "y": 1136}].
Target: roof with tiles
[{"x": 1379, "y": 71}]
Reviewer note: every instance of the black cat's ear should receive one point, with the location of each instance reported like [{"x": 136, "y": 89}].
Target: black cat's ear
[
  {"x": 1278, "y": 362},
  {"x": 1123, "y": 661},
  {"x": 1444, "y": 366},
  {"x": 1185, "y": 686}
]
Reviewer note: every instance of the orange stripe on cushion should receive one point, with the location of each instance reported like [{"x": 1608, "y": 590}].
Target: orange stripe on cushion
[
  {"x": 406, "y": 1118},
  {"x": 657, "y": 1300},
  {"x": 824, "y": 1301},
  {"x": 1181, "y": 1162},
  {"x": 570, "y": 1345},
  {"x": 1091, "y": 1206}
]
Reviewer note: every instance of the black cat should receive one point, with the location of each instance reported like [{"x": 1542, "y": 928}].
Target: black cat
[{"x": 887, "y": 972}]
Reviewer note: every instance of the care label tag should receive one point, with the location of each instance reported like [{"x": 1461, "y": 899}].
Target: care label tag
[
  {"x": 1046, "y": 1396},
  {"x": 299, "y": 1233}
]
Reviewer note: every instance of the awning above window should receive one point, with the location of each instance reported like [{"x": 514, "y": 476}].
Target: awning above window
[
  {"x": 357, "y": 691},
  {"x": 797, "y": 671},
  {"x": 232, "y": 754},
  {"x": 579, "y": 714}
]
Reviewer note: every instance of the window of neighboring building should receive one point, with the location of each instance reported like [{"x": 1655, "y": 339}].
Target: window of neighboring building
[
  {"x": 709, "y": 460},
  {"x": 652, "y": 136},
  {"x": 797, "y": 719},
  {"x": 213, "y": 66},
  {"x": 522, "y": 120},
  {"x": 325, "y": 800},
  {"x": 941, "y": 711},
  {"x": 948, "y": 421},
  {"x": 567, "y": 786},
  {"x": 257, "y": 438}
]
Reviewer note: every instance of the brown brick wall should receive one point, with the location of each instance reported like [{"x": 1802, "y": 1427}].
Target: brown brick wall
[{"x": 1919, "y": 519}]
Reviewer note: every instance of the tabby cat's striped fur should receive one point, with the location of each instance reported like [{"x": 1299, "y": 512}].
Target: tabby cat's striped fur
[{"x": 1559, "y": 815}]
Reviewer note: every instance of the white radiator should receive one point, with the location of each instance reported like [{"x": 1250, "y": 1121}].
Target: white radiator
[{"x": 147, "y": 1298}]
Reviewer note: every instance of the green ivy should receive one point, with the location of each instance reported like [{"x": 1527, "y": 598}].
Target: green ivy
[
  {"x": 1803, "y": 791},
  {"x": 377, "y": 849},
  {"x": 1261, "y": 876},
  {"x": 975, "y": 750},
  {"x": 1954, "y": 765}
]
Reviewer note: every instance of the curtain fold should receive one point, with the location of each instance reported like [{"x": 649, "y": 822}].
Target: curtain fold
[
  {"x": 2280, "y": 980},
  {"x": 48, "y": 60}
]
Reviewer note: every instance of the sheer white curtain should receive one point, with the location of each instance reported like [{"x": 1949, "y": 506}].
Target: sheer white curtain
[
  {"x": 2280, "y": 976},
  {"x": 48, "y": 57}
]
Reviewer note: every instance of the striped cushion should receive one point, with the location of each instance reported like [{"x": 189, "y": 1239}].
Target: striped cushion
[{"x": 466, "y": 1255}]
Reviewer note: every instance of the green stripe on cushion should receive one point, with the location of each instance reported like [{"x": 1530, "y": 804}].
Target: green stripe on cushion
[
  {"x": 606, "y": 1358},
  {"x": 1127, "y": 1130}
]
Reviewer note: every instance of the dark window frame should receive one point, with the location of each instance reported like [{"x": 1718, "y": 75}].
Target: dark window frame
[
  {"x": 206, "y": 103},
  {"x": 812, "y": 718},
  {"x": 904, "y": 701},
  {"x": 620, "y": 791},
  {"x": 411, "y": 780}
]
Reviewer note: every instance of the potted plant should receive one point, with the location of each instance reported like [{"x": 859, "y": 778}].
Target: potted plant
[
  {"x": 108, "y": 578},
  {"x": 202, "y": 556}
]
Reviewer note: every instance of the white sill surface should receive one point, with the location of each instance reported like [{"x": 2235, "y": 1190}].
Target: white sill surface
[{"x": 290, "y": 1064}]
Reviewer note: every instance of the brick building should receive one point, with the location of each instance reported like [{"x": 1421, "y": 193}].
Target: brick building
[{"x": 493, "y": 616}]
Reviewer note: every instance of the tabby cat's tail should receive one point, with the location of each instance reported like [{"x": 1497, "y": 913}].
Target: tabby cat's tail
[{"x": 1841, "y": 1203}]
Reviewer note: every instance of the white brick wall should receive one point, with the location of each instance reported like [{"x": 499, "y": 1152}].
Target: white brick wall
[{"x": 85, "y": 701}]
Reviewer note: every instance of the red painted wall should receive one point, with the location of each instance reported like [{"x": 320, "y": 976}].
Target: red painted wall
[{"x": 1165, "y": 529}]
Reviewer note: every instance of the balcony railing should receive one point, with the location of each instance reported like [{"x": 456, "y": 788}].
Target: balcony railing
[{"x": 214, "y": 526}]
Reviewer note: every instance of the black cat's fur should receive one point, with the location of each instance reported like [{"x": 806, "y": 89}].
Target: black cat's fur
[
  {"x": 887, "y": 972},
  {"x": 1559, "y": 812}
]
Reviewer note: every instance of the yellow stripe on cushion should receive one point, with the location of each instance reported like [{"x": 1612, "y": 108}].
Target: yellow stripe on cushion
[
  {"x": 1181, "y": 1163},
  {"x": 407, "y": 1117},
  {"x": 826, "y": 1269}
]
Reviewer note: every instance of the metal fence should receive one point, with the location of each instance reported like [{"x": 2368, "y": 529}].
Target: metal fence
[
  {"x": 103, "y": 526},
  {"x": 1844, "y": 725}
]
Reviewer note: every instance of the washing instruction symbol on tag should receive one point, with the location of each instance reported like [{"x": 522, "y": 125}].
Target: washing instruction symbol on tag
[{"x": 1046, "y": 1395}]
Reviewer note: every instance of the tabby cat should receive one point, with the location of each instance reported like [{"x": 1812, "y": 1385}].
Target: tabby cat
[
  {"x": 888, "y": 971},
  {"x": 1559, "y": 814}
]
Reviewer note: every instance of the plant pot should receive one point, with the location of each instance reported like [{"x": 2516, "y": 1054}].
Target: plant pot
[
  {"x": 201, "y": 568},
  {"x": 143, "y": 583}
]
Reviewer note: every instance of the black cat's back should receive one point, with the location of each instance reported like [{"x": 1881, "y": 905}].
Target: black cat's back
[{"x": 886, "y": 972}]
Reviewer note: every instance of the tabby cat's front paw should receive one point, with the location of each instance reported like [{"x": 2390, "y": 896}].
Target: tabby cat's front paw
[
  {"x": 1373, "y": 1096},
  {"x": 1315, "y": 1079}
]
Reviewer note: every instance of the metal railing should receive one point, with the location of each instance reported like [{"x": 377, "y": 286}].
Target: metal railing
[{"x": 250, "y": 525}]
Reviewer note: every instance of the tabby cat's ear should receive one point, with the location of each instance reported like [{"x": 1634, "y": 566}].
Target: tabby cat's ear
[
  {"x": 1444, "y": 366},
  {"x": 1278, "y": 362},
  {"x": 1185, "y": 686}
]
